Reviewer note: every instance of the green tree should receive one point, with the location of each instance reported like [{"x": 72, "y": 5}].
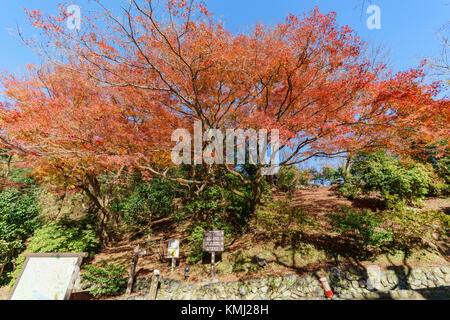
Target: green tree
[
  {"x": 393, "y": 179},
  {"x": 18, "y": 220}
]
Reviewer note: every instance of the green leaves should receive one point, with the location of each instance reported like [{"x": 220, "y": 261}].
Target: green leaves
[
  {"x": 280, "y": 221},
  {"x": 18, "y": 220},
  {"x": 386, "y": 174},
  {"x": 290, "y": 177},
  {"x": 149, "y": 200},
  {"x": 196, "y": 244},
  {"x": 18, "y": 215},
  {"x": 64, "y": 237},
  {"x": 363, "y": 227},
  {"x": 107, "y": 281}
]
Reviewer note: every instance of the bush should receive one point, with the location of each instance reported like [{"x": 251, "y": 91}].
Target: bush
[
  {"x": 18, "y": 220},
  {"x": 217, "y": 208},
  {"x": 387, "y": 175},
  {"x": 363, "y": 227},
  {"x": 65, "y": 236},
  {"x": 22, "y": 176},
  {"x": 410, "y": 227},
  {"x": 147, "y": 201},
  {"x": 62, "y": 236},
  {"x": 442, "y": 169},
  {"x": 288, "y": 178},
  {"x": 105, "y": 282},
  {"x": 217, "y": 205},
  {"x": 278, "y": 220},
  {"x": 305, "y": 177},
  {"x": 196, "y": 245},
  {"x": 440, "y": 180},
  {"x": 244, "y": 263},
  {"x": 348, "y": 190}
]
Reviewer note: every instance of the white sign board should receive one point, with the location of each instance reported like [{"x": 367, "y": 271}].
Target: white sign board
[
  {"x": 173, "y": 250},
  {"x": 47, "y": 277}
]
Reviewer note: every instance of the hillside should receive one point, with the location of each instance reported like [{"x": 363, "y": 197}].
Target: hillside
[{"x": 314, "y": 251}]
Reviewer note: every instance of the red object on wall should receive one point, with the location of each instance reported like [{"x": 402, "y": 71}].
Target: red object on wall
[{"x": 326, "y": 287}]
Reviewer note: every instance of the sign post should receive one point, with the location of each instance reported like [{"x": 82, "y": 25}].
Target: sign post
[
  {"x": 173, "y": 251},
  {"x": 213, "y": 262},
  {"x": 213, "y": 241},
  {"x": 154, "y": 286},
  {"x": 136, "y": 254}
]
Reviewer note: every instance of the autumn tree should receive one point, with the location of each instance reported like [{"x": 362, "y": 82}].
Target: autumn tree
[{"x": 126, "y": 81}]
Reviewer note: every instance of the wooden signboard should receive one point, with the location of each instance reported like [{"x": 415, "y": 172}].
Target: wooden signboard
[
  {"x": 213, "y": 241},
  {"x": 47, "y": 276}
]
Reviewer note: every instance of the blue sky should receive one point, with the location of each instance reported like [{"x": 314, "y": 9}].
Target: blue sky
[{"x": 408, "y": 27}]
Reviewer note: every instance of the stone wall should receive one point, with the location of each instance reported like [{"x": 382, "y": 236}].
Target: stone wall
[{"x": 396, "y": 283}]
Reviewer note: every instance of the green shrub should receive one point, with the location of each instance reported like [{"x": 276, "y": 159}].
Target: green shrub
[
  {"x": 62, "y": 236},
  {"x": 147, "y": 201},
  {"x": 22, "y": 176},
  {"x": 18, "y": 220},
  {"x": 210, "y": 202},
  {"x": 288, "y": 178},
  {"x": 442, "y": 168},
  {"x": 18, "y": 215},
  {"x": 363, "y": 227},
  {"x": 349, "y": 190},
  {"x": 105, "y": 282},
  {"x": 279, "y": 220},
  {"x": 387, "y": 175},
  {"x": 196, "y": 245},
  {"x": 305, "y": 177},
  {"x": 218, "y": 207},
  {"x": 244, "y": 263},
  {"x": 440, "y": 179},
  {"x": 439, "y": 188},
  {"x": 410, "y": 227}
]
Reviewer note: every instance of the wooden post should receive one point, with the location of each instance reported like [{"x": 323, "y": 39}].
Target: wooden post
[
  {"x": 213, "y": 261},
  {"x": 173, "y": 265},
  {"x": 213, "y": 241},
  {"x": 136, "y": 254},
  {"x": 154, "y": 286}
]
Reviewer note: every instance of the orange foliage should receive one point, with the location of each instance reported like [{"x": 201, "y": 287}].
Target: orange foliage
[{"x": 116, "y": 99}]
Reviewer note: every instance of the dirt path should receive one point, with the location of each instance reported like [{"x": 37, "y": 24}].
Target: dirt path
[
  {"x": 438, "y": 205},
  {"x": 325, "y": 200}
]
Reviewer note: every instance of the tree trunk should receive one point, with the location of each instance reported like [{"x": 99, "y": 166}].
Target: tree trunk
[
  {"x": 103, "y": 213},
  {"x": 347, "y": 168},
  {"x": 257, "y": 193}
]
